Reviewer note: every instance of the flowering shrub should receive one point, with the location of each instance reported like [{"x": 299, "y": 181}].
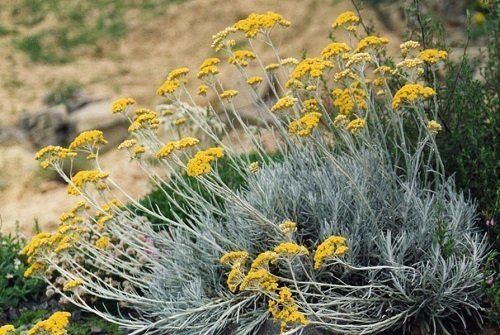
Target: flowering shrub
[{"x": 354, "y": 230}]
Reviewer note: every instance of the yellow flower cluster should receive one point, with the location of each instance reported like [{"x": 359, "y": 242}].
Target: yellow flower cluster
[
  {"x": 373, "y": 42},
  {"x": 256, "y": 23},
  {"x": 349, "y": 99},
  {"x": 259, "y": 280},
  {"x": 33, "y": 268},
  {"x": 200, "y": 163},
  {"x": 263, "y": 259},
  {"x": 183, "y": 143},
  {"x": 81, "y": 178},
  {"x": 52, "y": 154},
  {"x": 358, "y": 58},
  {"x": 202, "y": 90},
  {"x": 410, "y": 63},
  {"x": 127, "y": 144},
  {"x": 7, "y": 330},
  {"x": 285, "y": 310},
  {"x": 289, "y": 61},
  {"x": 254, "y": 167},
  {"x": 283, "y": 103},
  {"x": 335, "y": 49},
  {"x": 208, "y": 67},
  {"x": 272, "y": 67},
  {"x": 310, "y": 105},
  {"x": 334, "y": 246},
  {"x": 219, "y": 40},
  {"x": 408, "y": 46},
  {"x": 304, "y": 126},
  {"x": 145, "y": 119},
  {"x": 288, "y": 227},
  {"x": 289, "y": 249},
  {"x": 433, "y": 56},
  {"x": 254, "y": 80},
  {"x": 313, "y": 67},
  {"x": 121, "y": 105},
  {"x": 344, "y": 75},
  {"x": 410, "y": 93},
  {"x": 168, "y": 87},
  {"x": 356, "y": 125},
  {"x": 347, "y": 19},
  {"x": 178, "y": 73},
  {"x": 102, "y": 242},
  {"x": 55, "y": 325},
  {"x": 72, "y": 284},
  {"x": 241, "y": 57},
  {"x": 88, "y": 139},
  {"x": 228, "y": 94},
  {"x": 434, "y": 126},
  {"x": 235, "y": 259}
]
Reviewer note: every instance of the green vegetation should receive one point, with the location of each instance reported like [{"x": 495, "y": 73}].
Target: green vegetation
[
  {"x": 14, "y": 288},
  {"x": 71, "y": 26},
  {"x": 157, "y": 198}
]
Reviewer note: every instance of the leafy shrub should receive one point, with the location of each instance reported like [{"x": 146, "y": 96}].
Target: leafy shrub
[
  {"x": 14, "y": 288},
  {"x": 355, "y": 228}
]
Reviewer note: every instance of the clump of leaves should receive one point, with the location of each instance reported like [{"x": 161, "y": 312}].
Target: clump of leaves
[{"x": 14, "y": 288}]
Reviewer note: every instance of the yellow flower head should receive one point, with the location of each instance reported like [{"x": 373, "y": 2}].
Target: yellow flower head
[
  {"x": 433, "y": 56},
  {"x": 289, "y": 61},
  {"x": 52, "y": 154},
  {"x": 347, "y": 19},
  {"x": 35, "y": 267},
  {"x": 313, "y": 67},
  {"x": 234, "y": 257},
  {"x": 304, "y": 126},
  {"x": 272, "y": 67},
  {"x": 102, "y": 242},
  {"x": 288, "y": 249},
  {"x": 72, "y": 284},
  {"x": 84, "y": 177},
  {"x": 254, "y": 167},
  {"x": 285, "y": 310},
  {"x": 228, "y": 94},
  {"x": 260, "y": 23},
  {"x": 334, "y": 246},
  {"x": 121, "y": 105},
  {"x": 183, "y": 143},
  {"x": 127, "y": 144},
  {"x": 373, "y": 42},
  {"x": 284, "y": 103},
  {"x": 146, "y": 119},
  {"x": 358, "y": 58},
  {"x": 55, "y": 325},
  {"x": 235, "y": 277},
  {"x": 88, "y": 140},
  {"x": 259, "y": 280},
  {"x": 288, "y": 227},
  {"x": 410, "y": 93},
  {"x": 178, "y": 73},
  {"x": 434, "y": 126},
  {"x": 241, "y": 57},
  {"x": 349, "y": 99},
  {"x": 208, "y": 67},
  {"x": 356, "y": 125},
  {"x": 7, "y": 330},
  {"x": 202, "y": 90},
  {"x": 200, "y": 163},
  {"x": 219, "y": 40},
  {"x": 340, "y": 120},
  {"x": 408, "y": 46},
  {"x": 263, "y": 259},
  {"x": 169, "y": 86},
  {"x": 254, "y": 80},
  {"x": 334, "y": 49}
]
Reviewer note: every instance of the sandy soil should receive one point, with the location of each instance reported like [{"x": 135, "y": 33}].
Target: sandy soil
[{"x": 135, "y": 67}]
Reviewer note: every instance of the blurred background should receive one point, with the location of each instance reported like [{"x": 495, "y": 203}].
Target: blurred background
[{"x": 63, "y": 62}]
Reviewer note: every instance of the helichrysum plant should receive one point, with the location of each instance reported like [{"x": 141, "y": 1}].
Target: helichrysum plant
[{"x": 356, "y": 229}]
